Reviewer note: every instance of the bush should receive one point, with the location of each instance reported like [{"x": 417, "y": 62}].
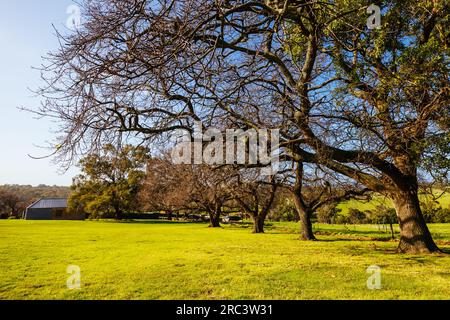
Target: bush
[
  {"x": 329, "y": 214},
  {"x": 142, "y": 216},
  {"x": 441, "y": 215},
  {"x": 429, "y": 210},
  {"x": 356, "y": 216},
  {"x": 434, "y": 213},
  {"x": 381, "y": 215},
  {"x": 284, "y": 211},
  {"x": 341, "y": 219}
]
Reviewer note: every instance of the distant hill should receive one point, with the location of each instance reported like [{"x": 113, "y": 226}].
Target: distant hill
[
  {"x": 41, "y": 191},
  {"x": 444, "y": 201}
]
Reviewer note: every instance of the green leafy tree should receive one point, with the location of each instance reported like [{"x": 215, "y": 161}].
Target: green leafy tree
[
  {"x": 110, "y": 182},
  {"x": 328, "y": 213},
  {"x": 383, "y": 215},
  {"x": 356, "y": 216},
  {"x": 284, "y": 210}
]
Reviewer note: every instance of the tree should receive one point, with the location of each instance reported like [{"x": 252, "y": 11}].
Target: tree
[
  {"x": 212, "y": 190},
  {"x": 174, "y": 187},
  {"x": 368, "y": 104},
  {"x": 356, "y": 216},
  {"x": 384, "y": 215},
  {"x": 255, "y": 196},
  {"x": 11, "y": 202},
  {"x": 284, "y": 208},
  {"x": 165, "y": 187},
  {"x": 318, "y": 193},
  {"x": 397, "y": 102},
  {"x": 110, "y": 182},
  {"x": 328, "y": 213}
]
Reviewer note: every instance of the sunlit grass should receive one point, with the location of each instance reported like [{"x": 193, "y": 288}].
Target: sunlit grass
[{"x": 154, "y": 260}]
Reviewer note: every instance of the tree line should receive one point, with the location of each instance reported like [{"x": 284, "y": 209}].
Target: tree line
[{"x": 118, "y": 182}]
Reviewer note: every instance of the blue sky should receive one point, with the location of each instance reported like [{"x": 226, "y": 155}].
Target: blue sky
[{"x": 26, "y": 34}]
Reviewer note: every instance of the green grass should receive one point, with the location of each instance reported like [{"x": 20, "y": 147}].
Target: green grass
[{"x": 156, "y": 260}]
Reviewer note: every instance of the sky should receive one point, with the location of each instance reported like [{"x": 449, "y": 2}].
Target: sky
[{"x": 26, "y": 35}]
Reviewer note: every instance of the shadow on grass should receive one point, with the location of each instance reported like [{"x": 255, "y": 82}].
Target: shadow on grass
[
  {"x": 339, "y": 239},
  {"x": 352, "y": 232},
  {"x": 344, "y": 234},
  {"x": 159, "y": 222}
]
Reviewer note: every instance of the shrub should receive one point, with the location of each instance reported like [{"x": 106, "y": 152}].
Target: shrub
[
  {"x": 429, "y": 210},
  {"x": 442, "y": 215},
  {"x": 434, "y": 213},
  {"x": 328, "y": 214},
  {"x": 381, "y": 215},
  {"x": 284, "y": 211},
  {"x": 341, "y": 219},
  {"x": 356, "y": 216}
]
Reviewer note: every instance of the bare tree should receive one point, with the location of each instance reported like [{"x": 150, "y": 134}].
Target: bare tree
[
  {"x": 313, "y": 190},
  {"x": 212, "y": 190},
  {"x": 366, "y": 104},
  {"x": 255, "y": 195},
  {"x": 172, "y": 188},
  {"x": 165, "y": 187}
]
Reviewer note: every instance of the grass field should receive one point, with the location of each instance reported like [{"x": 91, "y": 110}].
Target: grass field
[{"x": 163, "y": 260}]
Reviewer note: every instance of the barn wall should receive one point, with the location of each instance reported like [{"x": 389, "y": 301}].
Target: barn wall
[
  {"x": 49, "y": 214},
  {"x": 39, "y": 214}
]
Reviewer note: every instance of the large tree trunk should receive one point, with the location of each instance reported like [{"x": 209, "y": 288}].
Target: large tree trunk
[
  {"x": 214, "y": 220},
  {"x": 118, "y": 215},
  {"x": 306, "y": 226},
  {"x": 258, "y": 224},
  {"x": 306, "y": 232},
  {"x": 117, "y": 212},
  {"x": 214, "y": 217},
  {"x": 301, "y": 207},
  {"x": 414, "y": 234}
]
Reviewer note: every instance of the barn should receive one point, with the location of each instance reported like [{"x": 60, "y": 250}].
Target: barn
[{"x": 51, "y": 209}]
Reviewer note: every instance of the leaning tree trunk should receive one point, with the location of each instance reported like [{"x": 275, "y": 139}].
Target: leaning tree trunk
[
  {"x": 306, "y": 232},
  {"x": 301, "y": 207},
  {"x": 414, "y": 234},
  {"x": 258, "y": 223},
  {"x": 306, "y": 226}
]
